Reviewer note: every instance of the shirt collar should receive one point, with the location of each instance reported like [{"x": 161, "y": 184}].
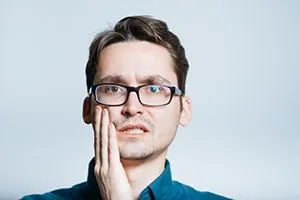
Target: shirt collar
[
  {"x": 156, "y": 189},
  {"x": 160, "y": 185}
]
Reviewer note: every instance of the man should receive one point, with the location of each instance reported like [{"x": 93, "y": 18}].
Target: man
[{"x": 136, "y": 76}]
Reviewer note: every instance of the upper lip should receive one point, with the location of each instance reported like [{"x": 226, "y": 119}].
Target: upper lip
[{"x": 133, "y": 126}]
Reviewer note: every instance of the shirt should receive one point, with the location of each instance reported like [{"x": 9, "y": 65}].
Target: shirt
[{"x": 162, "y": 188}]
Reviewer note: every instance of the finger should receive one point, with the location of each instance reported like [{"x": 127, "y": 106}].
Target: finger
[
  {"x": 96, "y": 127},
  {"x": 104, "y": 139},
  {"x": 114, "y": 154}
]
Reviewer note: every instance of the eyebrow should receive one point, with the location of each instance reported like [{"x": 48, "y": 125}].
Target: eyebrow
[
  {"x": 153, "y": 79},
  {"x": 112, "y": 79}
]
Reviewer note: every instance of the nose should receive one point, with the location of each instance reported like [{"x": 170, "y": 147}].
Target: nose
[{"x": 132, "y": 106}]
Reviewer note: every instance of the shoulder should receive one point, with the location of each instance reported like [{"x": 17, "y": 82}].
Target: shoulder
[
  {"x": 183, "y": 191},
  {"x": 79, "y": 191}
]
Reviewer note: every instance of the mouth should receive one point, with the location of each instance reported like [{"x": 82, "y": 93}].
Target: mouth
[{"x": 134, "y": 129}]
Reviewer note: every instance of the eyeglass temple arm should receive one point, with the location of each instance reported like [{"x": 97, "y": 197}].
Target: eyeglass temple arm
[{"x": 178, "y": 92}]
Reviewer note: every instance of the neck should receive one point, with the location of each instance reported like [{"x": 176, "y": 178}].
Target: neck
[{"x": 141, "y": 173}]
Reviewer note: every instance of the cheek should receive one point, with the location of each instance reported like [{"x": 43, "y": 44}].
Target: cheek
[
  {"x": 114, "y": 113},
  {"x": 167, "y": 118}
]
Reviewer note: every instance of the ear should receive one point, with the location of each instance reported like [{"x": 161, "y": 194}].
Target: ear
[
  {"x": 186, "y": 112},
  {"x": 86, "y": 110}
]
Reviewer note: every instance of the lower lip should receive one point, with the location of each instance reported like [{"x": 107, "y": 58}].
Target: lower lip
[{"x": 126, "y": 134}]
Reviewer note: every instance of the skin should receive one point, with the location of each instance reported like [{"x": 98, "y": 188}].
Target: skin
[{"x": 127, "y": 163}]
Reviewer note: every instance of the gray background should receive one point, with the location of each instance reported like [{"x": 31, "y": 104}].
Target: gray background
[{"x": 244, "y": 139}]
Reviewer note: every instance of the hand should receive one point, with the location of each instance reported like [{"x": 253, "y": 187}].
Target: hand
[{"x": 109, "y": 171}]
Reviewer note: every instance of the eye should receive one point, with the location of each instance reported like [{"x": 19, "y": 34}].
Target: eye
[
  {"x": 112, "y": 89},
  {"x": 154, "y": 88}
]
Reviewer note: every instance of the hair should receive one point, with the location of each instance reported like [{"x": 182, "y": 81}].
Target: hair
[{"x": 140, "y": 28}]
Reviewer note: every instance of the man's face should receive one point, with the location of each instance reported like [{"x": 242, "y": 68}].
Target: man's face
[{"x": 142, "y": 131}]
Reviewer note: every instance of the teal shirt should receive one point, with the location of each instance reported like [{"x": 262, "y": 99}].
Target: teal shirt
[{"x": 161, "y": 188}]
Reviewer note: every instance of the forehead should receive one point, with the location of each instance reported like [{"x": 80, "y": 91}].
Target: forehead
[{"x": 135, "y": 61}]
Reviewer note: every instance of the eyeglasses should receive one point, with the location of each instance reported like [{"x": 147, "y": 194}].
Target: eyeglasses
[{"x": 148, "y": 95}]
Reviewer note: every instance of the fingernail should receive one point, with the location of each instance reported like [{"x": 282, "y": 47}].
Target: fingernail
[
  {"x": 98, "y": 109},
  {"x": 104, "y": 112}
]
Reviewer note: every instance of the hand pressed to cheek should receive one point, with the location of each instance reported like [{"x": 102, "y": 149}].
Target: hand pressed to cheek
[
  {"x": 103, "y": 131},
  {"x": 109, "y": 172}
]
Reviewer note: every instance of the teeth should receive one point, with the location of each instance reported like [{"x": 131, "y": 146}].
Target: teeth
[{"x": 134, "y": 131}]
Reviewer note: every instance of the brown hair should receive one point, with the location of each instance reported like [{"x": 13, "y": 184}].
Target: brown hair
[{"x": 143, "y": 28}]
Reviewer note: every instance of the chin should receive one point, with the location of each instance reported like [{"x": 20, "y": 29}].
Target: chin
[
  {"x": 134, "y": 157},
  {"x": 135, "y": 151}
]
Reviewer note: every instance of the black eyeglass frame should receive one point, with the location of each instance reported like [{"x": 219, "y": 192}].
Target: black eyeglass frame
[{"x": 174, "y": 91}]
